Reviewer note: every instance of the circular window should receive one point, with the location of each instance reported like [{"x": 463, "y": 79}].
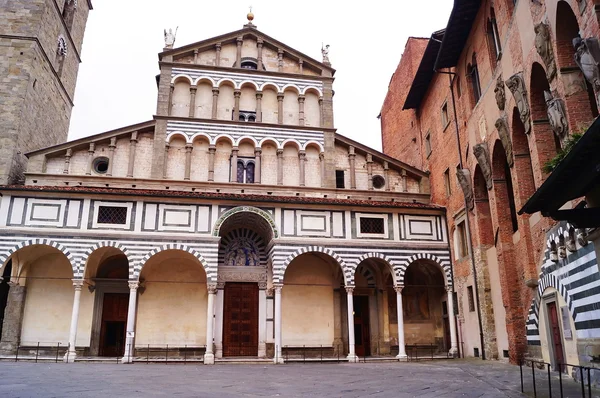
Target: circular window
[
  {"x": 101, "y": 165},
  {"x": 378, "y": 182}
]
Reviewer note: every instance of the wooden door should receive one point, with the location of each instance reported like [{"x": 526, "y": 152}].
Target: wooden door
[
  {"x": 555, "y": 334},
  {"x": 240, "y": 323},
  {"x": 362, "y": 338},
  {"x": 114, "y": 324}
]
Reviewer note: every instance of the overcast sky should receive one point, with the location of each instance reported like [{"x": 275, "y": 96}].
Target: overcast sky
[{"x": 116, "y": 85}]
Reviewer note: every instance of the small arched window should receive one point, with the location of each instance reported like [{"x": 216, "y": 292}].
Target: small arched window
[
  {"x": 493, "y": 38},
  {"x": 473, "y": 77},
  {"x": 245, "y": 172},
  {"x": 68, "y": 13}
]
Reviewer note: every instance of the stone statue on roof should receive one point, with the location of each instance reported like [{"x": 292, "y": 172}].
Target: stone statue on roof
[
  {"x": 325, "y": 52},
  {"x": 170, "y": 37}
]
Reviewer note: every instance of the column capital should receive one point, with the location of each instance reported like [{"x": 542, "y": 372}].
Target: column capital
[
  {"x": 167, "y": 146},
  {"x": 196, "y": 51},
  {"x": 280, "y": 52},
  {"x": 220, "y": 285},
  {"x": 449, "y": 289},
  {"x": 133, "y": 285},
  {"x": 189, "y": 147},
  {"x": 211, "y": 288},
  {"x": 277, "y": 288},
  {"x": 279, "y": 152},
  {"x": 302, "y": 154},
  {"x": 92, "y": 147},
  {"x": 280, "y": 96},
  {"x": 259, "y": 42},
  {"x": 240, "y": 40},
  {"x": 212, "y": 148},
  {"x": 300, "y": 62},
  {"x": 69, "y": 152},
  {"x": 134, "y": 137},
  {"x": 112, "y": 145},
  {"x": 351, "y": 150},
  {"x": 235, "y": 149},
  {"x": 215, "y": 90},
  {"x": 77, "y": 283},
  {"x": 259, "y": 94},
  {"x": 193, "y": 90},
  {"x": 218, "y": 46},
  {"x": 320, "y": 100},
  {"x": 301, "y": 98},
  {"x": 257, "y": 151},
  {"x": 369, "y": 158},
  {"x": 386, "y": 165},
  {"x": 12, "y": 284},
  {"x": 321, "y": 156},
  {"x": 237, "y": 92},
  {"x": 399, "y": 288},
  {"x": 349, "y": 289}
]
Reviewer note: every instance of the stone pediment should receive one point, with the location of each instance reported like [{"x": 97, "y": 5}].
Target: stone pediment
[{"x": 183, "y": 54}]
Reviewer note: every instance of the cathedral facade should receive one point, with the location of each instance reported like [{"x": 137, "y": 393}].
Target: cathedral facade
[{"x": 235, "y": 223}]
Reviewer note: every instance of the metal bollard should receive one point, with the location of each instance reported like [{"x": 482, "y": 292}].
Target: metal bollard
[
  {"x": 589, "y": 383},
  {"x": 167, "y": 354},
  {"x": 148, "y": 354},
  {"x": 533, "y": 374},
  {"x": 185, "y": 354},
  {"x": 582, "y": 385},
  {"x": 549, "y": 382},
  {"x": 521, "y": 371},
  {"x": 37, "y": 351},
  {"x": 560, "y": 368},
  {"x": 57, "y": 348}
]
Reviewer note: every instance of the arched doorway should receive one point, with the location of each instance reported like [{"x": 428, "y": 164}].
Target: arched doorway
[
  {"x": 107, "y": 272},
  {"x": 425, "y": 312},
  {"x": 243, "y": 274}
]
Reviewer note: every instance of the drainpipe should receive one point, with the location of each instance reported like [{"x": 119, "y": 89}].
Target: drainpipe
[{"x": 451, "y": 76}]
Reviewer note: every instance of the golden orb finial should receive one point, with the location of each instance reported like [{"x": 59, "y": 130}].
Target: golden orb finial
[{"x": 250, "y": 15}]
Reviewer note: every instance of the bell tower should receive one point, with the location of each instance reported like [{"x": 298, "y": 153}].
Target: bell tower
[{"x": 40, "y": 52}]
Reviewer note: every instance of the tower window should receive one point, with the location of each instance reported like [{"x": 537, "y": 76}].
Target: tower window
[
  {"x": 245, "y": 171},
  {"x": 473, "y": 75},
  {"x": 339, "y": 179},
  {"x": 247, "y": 116}
]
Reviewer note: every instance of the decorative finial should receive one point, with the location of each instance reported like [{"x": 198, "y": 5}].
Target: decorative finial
[{"x": 250, "y": 16}]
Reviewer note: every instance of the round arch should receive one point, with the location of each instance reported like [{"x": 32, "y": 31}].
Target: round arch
[
  {"x": 198, "y": 135},
  {"x": 551, "y": 281},
  {"x": 313, "y": 143},
  {"x": 4, "y": 255},
  {"x": 223, "y": 137},
  {"x": 226, "y": 81},
  {"x": 271, "y": 140},
  {"x": 291, "y": 87},
  {"x": 81, "y": 265},
  {"x": 270, "y": 85},
  {"x": 204, "y": 79},
  {"x": 175, "y": 134},
  {"x": 176, "y": 78},
  {"x": 313, "y": 89},
  {"x": 246, "y": 138},
  {"x": 249, "y": 83},
  {"x": 292, "y": 141},
  {"x": 443, "y": 266},
  {"x": 137, "y": 268},
  {"x": 386, "y": 260},
  {"x": 266, "y": 216},
  {"x": 346, "y": 270}
]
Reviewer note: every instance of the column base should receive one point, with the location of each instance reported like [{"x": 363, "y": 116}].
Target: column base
[
  {"x": 402, "y": 357},
  {"x": 218, "y": 350},
  {"x": 209, "y": 359},
  {"x": 453, "y": 352},
  {"x": 262, "y": 350},
  {"x": 278, "y": 361},
  {"x": 70, "y": 357},
  {"x": 352, "y": 358}
]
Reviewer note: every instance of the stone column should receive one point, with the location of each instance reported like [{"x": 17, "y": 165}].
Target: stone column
[
  {"x": 219, "y": 321},
  {"x": 71, "y": 352},
  {"x": 236, "y": 107},
  {"x": 171, "y": 99},
  {"x": 195, "y": 56},
  {"x": 188, "y": 161},
  {"x": 301, "y": 65},
  {"x": 259, "y": 44},
  {"x": 257, "y": 164},
  {"x": 302, "y": 160},
  {"x": 211, "y": 162},
  {"x": 68, "y": 161},
  {"x": 209, "y": 356},
  {"x": 404, "y": 185},
  {"x": 13, "y": 318},
  {"x": 280, "y": 108},
  {"x": 215, "y": 102},
  {"x": 320, "y": 111},
  {"x": 370, "y": 170},
  {"x": 301, "y": 99},
  {"x": 91, "y": 150},
  {"x": 351, "y": 352},
  {"x": 234, "y": 155},
  {"x": 280, "y": 167},
  {"x": 218, "y": 56},
  {"x": 322, "y": 162},
  {"x": 452, "y": 322},
  {"x": 386, "y": 175},
  {"x": 111, "y": 155},
  {"x": 401, "y": 345},
  {"x": 262, "y": 319},
  {"x": 278, "y": 357},
  {"x": 238, "y": 54},
  {"x": 131, "y": 315},
  {"x": 165, "y": 164},
  {"x": 132, "y": 146},
  {"x": 280, "y": 60},
  {"x": 259, "y": 106},
  {"x": 352, "y": 160},
  {"x": 193, "y": 101}
]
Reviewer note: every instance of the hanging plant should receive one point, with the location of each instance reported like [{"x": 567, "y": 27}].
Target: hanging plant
[{"x": 569, "y": 143}]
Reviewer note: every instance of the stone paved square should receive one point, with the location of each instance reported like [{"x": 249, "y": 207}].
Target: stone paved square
[{"x": 422, "y": 379}]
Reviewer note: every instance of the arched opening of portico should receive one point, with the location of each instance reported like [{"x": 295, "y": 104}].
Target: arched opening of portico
[
  {"x": 172, "y": 304},
  {"x": 4, "y": 288},
  {"x": 103, "y": 317},
  {"x": 243, "y": 274},
  {"x": 425, "y": 312}
]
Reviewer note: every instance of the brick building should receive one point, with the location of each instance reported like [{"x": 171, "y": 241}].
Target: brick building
[
  {"x": 494, "y": 97},
  {"x": 40, "y": 52},
  {"x": 236, "y": 222}
]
